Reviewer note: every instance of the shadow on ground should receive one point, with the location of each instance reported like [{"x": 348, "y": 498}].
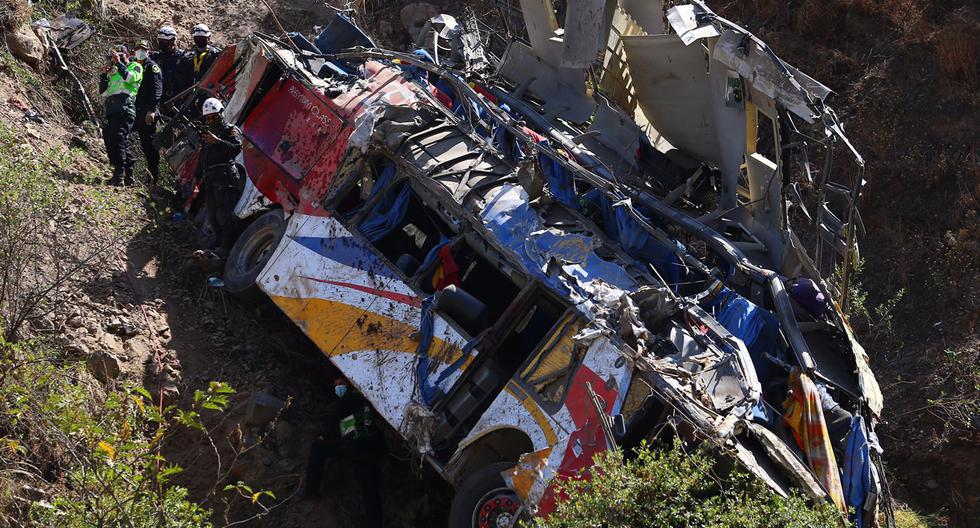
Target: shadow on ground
[{"x": 177, "y": 335}]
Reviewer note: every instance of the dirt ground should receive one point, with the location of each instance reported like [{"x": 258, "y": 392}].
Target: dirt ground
[{"x": 907, "y": 76}]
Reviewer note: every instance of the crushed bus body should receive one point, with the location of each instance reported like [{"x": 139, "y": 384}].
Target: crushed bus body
[{"x": 530, "y": 255}]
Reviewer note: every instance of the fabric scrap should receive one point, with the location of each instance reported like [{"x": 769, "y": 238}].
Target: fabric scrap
[{"x": 804, "y": 416}]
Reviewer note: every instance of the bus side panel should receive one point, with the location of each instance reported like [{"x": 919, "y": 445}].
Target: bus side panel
[{"x": 357, "y": 311}]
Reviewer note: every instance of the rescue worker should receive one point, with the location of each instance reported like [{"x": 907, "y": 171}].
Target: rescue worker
[
  {"x": 349, "y": 435},
  {"x": 148, "y": 107},
  {"x": 119, "y": 82},
  {"x": 216, "y": 165},
  {"x": 203, "y": 55},
  {"x": 173, "y": 63}
]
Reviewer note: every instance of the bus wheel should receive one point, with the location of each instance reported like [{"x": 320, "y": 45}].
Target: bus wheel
[
  {"x": 251, "y": 253},
  {"x": 485, "y": 501}
]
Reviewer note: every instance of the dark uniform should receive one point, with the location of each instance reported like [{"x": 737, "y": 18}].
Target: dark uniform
[
  {"x": 350, "y": 435},
  {"x": 174, "y": 64},
  {"x": 148, "y": 101},
  {"x": 119, "y": 86},
  {"x": 199, "y": 61},
  {"x": 217, "y": 166}
]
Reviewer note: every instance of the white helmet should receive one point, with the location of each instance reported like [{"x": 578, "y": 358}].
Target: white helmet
[
  {"x": 212, "y": 106},
  {"x": 201, "y": 30},
  {"x": 166, "y": 33}
]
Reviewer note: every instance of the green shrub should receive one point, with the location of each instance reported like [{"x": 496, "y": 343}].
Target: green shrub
[
  {"x": 669, "y": 488},
  {"x": 88, "y": 457},
  {"x": 52, "y": 232}
]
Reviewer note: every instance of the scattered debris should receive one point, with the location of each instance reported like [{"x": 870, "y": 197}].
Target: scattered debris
[{"x": 262, "y": 408}]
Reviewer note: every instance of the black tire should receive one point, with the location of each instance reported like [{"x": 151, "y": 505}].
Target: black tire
[
  {"x": 479, "y": 488},
  {"x": 251, "y": 253}
]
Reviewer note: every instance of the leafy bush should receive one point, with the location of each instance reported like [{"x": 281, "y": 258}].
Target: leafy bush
[
  {"x": 74, "y": 456},
  {"x": 670, "y": 488}
]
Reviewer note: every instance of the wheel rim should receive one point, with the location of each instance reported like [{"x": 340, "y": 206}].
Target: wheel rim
[
  {"x": 496, "y": 509},
  {"x": 256, "y": 250}
]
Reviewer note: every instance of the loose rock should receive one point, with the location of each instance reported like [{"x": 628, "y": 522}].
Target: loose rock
[
  {"x": 103, "y": 365},
  {"x": 25, "y": 45}
]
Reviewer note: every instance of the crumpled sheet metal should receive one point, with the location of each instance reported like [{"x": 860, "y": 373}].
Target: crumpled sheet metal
[
  {"x": 67, "y": 31},
  {"x": 526, "y": 478},
  {"x": 764, "y": 77},
  {"x": 516, "y": 225},
  {"x": 684, "y": 23},
  {"x": 670, "y": 82},
  {"x": 717, "y": 380},
  {"x": 585, "y": 26},
  {"x": 648, "y": 14},
  {"x": 255, "y": 51},
  {"x": 384, "y": 124},
  {"x": 561, "y": 89},
  {"x": 539, "y": 18}
]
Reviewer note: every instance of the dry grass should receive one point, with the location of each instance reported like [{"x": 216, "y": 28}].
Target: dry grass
[
  {"x": 767, "y": 8},
  {"x": 863, "y": 7},
  {"x": 13, "y": 13},
  {"x": 906, "y": 518},
  {"x": 957, "y": 51},
  {"x": 909, "y": 16}
]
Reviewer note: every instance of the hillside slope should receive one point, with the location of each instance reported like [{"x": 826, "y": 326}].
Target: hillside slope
[
  {"x": 908, "y": 80},
  {"x": 908, "y": 83}
]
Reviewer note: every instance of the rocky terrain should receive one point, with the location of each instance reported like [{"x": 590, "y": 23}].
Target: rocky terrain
[{"x": 906, "y": 72}]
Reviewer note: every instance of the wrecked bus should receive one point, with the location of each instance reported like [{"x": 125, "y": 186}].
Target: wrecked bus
[{"x": 524, "y": 258}]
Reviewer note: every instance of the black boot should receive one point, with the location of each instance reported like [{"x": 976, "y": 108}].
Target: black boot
[
  {"x": 128, "y": 176},
  {"x": 117, "y": 177}
]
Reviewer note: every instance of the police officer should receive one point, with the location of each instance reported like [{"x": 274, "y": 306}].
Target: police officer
[
  {"x": 203, "y": 54},
  {"x": 349, "y": 435},
  {"x": 173, "y": 62},
  {"x": 216, "y": 165},
  {"x": 148, "y": 107},
  {"x": 119, "y": 82}
]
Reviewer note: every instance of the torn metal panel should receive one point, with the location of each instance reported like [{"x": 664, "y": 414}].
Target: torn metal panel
[
  {"x": 727, "y": 104},
  {"x": 671, "y": 85},
  {"x": 584, "y": 31},
  {"x": 765, "y": 78},
  {"x": 562, "y": 90},
  {"x": 765, "y": 190},
  {"x": 649, "y": 14},
  {"x": 684, "y": 22},
  {"x": 539, "y": 17},
  {"x": 256, "y": 62},
  {"x": 616, "y": 81},
  {"x": 612, "y": 129}
]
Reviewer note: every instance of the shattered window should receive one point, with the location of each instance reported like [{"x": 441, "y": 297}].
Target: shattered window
[
  {"x": 364, "y": 182},
  {"x": 548, "y": 373}
]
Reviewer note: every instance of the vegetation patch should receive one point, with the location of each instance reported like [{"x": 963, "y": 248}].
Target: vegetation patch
[{"x": 668, "y": 487}]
